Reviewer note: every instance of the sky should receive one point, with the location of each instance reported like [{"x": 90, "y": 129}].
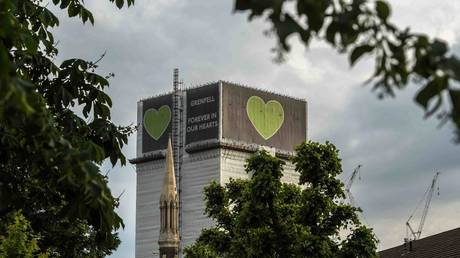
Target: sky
[{"x": 399, "y": 150}]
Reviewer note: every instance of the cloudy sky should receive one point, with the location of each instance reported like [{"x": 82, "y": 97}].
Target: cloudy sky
[{"x": 399, "y": 150}]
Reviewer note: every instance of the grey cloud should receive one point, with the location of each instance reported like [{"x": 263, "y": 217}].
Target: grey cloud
[{"x": 399, "y": 150}]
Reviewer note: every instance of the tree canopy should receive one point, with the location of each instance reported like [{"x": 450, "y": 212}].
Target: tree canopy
[
  {"x": 19, "y": 241},
  {"x": 263, "y": 217},
  {"x": 50, "y": 154},
  {"x": 363, "y": 27}
]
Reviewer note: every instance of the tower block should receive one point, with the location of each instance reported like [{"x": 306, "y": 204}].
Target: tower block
[
  {"x": 169, "y": 210},
  {"x": 221, "y": 125}
]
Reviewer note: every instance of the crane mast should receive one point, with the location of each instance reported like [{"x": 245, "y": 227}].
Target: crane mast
[
  {"x": 350, "y": 183},
  {"x": 429, "y": 196}
]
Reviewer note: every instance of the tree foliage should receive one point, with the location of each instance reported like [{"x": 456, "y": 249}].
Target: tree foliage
[
  {"x": 363, "y": 27},
  {"x": 263, "y": 217},
  {"x": 50, "y": 155},
  {"x": 19, "y": 240}
]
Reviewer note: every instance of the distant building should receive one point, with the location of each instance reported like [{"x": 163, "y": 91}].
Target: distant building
[
  {"x": 214, "y": 129},
  {"x": 442, "y": 245}
]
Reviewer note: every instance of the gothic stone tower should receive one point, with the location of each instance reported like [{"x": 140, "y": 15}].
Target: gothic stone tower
[
  {"x": 169, "y": 211},
  {"x": 223, "y": 124}
]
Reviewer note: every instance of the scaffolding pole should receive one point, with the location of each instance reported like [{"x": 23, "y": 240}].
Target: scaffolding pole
[{"x": 177, "y": 138}]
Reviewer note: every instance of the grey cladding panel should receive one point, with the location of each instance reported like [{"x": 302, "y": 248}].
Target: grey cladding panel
[
  {"x": 149, "y": 181},
  {"x": 199, "y": 169},
  {"x": 232, "y": 166}
]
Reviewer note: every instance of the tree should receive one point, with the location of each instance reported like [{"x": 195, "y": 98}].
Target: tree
[
  {"x": 19, "y": 241},
  {"x": 50, "y": 154},
  {"x": 360, "y": 27},
  {"x": 263, "y": 217}
]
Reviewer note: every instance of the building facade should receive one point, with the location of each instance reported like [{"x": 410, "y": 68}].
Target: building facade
[{"x": 221, "y": 125}]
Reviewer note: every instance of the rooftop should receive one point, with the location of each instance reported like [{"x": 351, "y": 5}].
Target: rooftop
[{"x": 442, "y": 245}]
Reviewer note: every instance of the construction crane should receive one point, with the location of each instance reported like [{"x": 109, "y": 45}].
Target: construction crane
[
  {"x": 350, "y": 197},
  {"x": 352, "y": 178},
  {"x": 428, "y": 196}
]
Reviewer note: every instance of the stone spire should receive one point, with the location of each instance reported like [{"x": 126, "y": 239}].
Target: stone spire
[
  {"x": 169, "y": 210},
  {"x": 169, "y": 191}
]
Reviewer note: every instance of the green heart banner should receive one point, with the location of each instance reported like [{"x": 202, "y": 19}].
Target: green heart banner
[
  {"x": 267, "y": 118},
  {"x": 156, "y": 121}
]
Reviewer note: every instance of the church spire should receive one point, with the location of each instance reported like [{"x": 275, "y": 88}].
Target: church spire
[
  {"x": 169, "y": 210},
  {"x": 169, "y": 191}
]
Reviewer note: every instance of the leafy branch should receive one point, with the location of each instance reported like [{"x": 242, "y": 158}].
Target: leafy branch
[
  {"x": 50, "y": 156},
  {"x": 363, "y": 27}
]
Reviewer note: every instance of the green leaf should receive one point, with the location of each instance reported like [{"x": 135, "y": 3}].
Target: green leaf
[
  {"x": 431, "y": 89},
  {"x": 64, "y": 4},
  {"x": 331, "y": 32},
  {"x": 256, "y": 8},
  {"x": 84, "y": 15},
  {"x": 113, "y": 159},
  {"x": 383, "y": 9},
  {"x": 91, "y": 18},
  {"x": 285, "y": 28},
  {"x": 453, "y": 67},
  {"x": 119, "y": 3},
  {"x": 359, "y": 51},
  {"x": 31, "y": 45},
  {"x": 73, "y": 10},
  {"x": 455, "y": 99},
  {"x": 439, "y": 47},
  {"x": 87, "y": 109}
]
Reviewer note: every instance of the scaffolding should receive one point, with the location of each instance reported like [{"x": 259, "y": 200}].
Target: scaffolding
[{"x": 178, "y": 137}]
